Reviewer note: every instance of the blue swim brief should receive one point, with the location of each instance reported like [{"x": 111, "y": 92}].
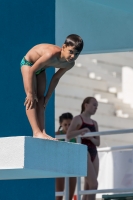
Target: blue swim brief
[{"x": 26, "y": 62}]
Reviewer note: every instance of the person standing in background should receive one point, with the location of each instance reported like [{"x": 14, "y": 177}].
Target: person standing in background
[{"x": 65, "y": 121}]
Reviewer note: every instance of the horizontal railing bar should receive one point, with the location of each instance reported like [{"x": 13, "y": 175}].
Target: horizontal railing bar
[
  {"x": 58, "y": 194},
  {"x": 123, "y": 131},
  {"x": 107, "y": 132},
  {"x": 60, "y": 136},
  {"x": 107, "y": 149},
  {"x": 122, "y": 190}
]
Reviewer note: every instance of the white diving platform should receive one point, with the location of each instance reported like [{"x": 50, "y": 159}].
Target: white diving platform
[{"x": 27, "y": 157}]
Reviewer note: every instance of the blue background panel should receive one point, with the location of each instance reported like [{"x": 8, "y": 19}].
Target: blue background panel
[
  {"x": 104, "y": 25},
  {"x": 23, "y": 23}
]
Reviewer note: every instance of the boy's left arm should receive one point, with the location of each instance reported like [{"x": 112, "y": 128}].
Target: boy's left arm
[{"x": 54, "y": 81}]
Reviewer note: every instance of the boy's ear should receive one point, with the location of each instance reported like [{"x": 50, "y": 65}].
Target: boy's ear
[{"x": 63, "y": 46}]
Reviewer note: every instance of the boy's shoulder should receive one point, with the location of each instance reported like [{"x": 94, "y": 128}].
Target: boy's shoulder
[
  {"x": 52, "y": 47},
  {"x": 52, "y": 50},
  {"x": 48, "y": 50},
  {"x": 47, "y": 47}
]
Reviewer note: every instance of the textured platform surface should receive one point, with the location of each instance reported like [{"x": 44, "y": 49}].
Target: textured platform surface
[{"x": 28, "y": 157}]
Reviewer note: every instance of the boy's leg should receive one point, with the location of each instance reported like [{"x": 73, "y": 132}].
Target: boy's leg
[
  {"x": 41, "y": 86},
  {"x": 31, "y": 113}
]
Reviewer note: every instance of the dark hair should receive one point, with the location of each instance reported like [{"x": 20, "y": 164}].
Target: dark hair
[
  {"x": 74, "y": 40},
  {"x": 63, "y": 117},
  {"x": 86, "y": 100}
]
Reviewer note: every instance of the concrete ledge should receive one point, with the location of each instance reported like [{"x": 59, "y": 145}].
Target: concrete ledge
[{"x": 28, "y": 157}]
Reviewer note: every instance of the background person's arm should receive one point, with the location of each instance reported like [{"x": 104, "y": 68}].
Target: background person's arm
[{"x": 73, "y": 130}]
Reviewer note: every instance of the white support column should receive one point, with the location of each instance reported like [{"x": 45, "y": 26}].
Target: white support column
[{"x": 127, "y": 84}]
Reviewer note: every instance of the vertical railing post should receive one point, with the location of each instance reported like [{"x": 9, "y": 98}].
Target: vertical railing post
[
  {"x": 66, "y": 188},
  {"x": 66, "y": 183},
  {"x": 78, "y": 178},
  {"x": 78, "y": 188}
]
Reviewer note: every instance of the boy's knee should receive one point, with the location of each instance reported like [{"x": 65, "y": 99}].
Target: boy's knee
[{"x": 41, "y": 100}]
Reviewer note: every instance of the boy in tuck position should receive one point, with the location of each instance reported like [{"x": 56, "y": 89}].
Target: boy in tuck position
[{"x": 33, "y": 67}]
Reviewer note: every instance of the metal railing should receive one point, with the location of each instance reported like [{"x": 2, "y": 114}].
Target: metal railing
[{"x": 106, "y": 149}]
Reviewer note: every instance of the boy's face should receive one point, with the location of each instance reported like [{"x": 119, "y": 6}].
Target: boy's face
[{"x": 70, "y": 53}]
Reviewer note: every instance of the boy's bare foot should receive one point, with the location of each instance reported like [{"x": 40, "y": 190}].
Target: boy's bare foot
[
  {"x": 40, "y": 135},
  {"x": 43, "y": 136},
  {"x": 49, "y": 137}
]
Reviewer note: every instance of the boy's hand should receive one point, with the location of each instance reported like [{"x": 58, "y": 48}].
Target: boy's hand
[
  {"x": 29, "y": 101},
  {"x": 84, "y": 131}
]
